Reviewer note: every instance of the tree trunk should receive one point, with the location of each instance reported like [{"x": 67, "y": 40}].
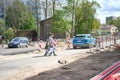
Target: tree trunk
[
  {"x": 53, "y": 4},
  {"x": 73, "y": 19},
  {"x": 46, "y": 9}
]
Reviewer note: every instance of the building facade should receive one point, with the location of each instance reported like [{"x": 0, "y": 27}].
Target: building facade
[
  {"x": 109, "y": 29},
  {"x": 45, "y": 26}
]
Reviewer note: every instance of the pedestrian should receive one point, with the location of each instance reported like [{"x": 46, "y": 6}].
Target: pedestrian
[
  {"x": 50, "y": 46},
  {"x": 99, "y": 42},
  {"x": 47, "y": 47}
]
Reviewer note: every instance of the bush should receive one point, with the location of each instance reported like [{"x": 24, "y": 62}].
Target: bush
[{"x": 9, "y": 34}]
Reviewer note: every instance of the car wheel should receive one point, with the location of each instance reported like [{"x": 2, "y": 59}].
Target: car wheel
[
  {"x": 9, "y": 47},
  {"x": 74, "y": 47}
]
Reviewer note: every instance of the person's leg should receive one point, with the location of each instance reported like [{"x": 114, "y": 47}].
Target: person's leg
[
  {"x": 47, "y": 51},
  {"x": 50, "y": 51},
  {"x": 54, "y": 52},
  {"x": 50, "y": 54}
]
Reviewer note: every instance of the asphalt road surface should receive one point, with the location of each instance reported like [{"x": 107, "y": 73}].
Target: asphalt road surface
[
  {"x": 12, "y": 51},
  {"x": 10, "y": 67}
]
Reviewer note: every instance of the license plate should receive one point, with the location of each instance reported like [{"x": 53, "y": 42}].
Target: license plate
[{"x": 79, "y": 41}]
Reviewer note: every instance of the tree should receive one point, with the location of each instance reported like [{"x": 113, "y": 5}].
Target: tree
[
  {"x": 2, "y": 28},
  {"x": 96, "y": 24},
  {"x": 110, "y": 22},
  {"x": 29, "y": 24},
  {"x": 117, "y": 23},
  {"x": 59, "y": 23},
  {"x": 17, "y": 16},
  {"x": 34, "y": 6},
  {"x": 70, "y": 12},
  {"x": 6, "y": 32},
  {"x": 85, "y": 15},
  {"x": 44, "y": 7}
]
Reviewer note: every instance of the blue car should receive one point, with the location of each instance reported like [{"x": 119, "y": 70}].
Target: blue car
[
  {"x": 18, "y": 42},
  {"x": 83, "y": 40}
]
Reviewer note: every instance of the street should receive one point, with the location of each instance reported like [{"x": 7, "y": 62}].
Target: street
[
  {"x": 13, "y": 51},
  {"x": 10, "y": 67},
  {"x": 33, "y": 60}
]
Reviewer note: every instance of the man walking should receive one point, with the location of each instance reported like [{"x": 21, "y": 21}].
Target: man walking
[{"x": 51, "y": 47}]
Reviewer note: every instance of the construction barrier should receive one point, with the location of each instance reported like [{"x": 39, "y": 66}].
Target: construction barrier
[
  {"x": 111, "y": 73},
  {"x": 55, "y": 43},
  {"x": 40, "y": 44},
  {"x": 68, "y": 43}
]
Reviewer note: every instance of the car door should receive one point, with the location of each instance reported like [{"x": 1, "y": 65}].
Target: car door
[{"x": 23, "y": 42}]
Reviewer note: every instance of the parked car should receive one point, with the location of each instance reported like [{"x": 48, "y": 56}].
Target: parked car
[
  {"x": 83, "y": 40},
  {"x": 18, "y": 42}
]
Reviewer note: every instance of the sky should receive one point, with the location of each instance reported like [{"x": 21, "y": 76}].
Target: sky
[{"x": 108, "y": 8}]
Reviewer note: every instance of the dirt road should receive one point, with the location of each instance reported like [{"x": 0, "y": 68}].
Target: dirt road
[{"x": 78, "y": 66}]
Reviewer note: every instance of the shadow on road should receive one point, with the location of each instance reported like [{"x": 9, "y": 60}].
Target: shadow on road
[{"x": 39, "y": 56}]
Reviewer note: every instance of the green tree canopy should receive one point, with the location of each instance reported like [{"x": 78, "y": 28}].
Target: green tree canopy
[
  {"x": 59, "y": 23},
  {"x": 7, "y": 32},
  {"x": 85, "y": 16},
  {"x": 2, "y": 29},
  {"x": 18, "y": 17},
  {"x": 117, "y": 23}
]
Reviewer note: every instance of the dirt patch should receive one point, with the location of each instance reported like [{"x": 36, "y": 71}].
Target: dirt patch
[{"x": 83, "y": 68}]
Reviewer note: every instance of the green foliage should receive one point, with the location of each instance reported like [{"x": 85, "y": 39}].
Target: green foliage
[
  {"x": 30, "y": 23},
  {"x": 117, "y": 23},
  {"x": 110, "y": 22},
  {"x": 9, "y": 34},
  {"x": 85, "y": 16},
  {"x": 96, "y": 24},
  {"x": 18, "y": 17},
  {"x": 59, "y": 23},
  {"x": 2, "y": 29}
]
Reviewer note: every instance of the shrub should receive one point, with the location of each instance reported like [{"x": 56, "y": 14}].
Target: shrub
[{"x": 9, "y": 34}]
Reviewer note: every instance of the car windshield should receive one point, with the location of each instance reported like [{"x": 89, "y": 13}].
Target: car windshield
[
  {"x": 16, "y": 39},
  {"x": 80, "y": 36}
]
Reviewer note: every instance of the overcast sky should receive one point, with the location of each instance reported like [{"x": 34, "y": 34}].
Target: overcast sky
[{"x": 108, "y": 8}]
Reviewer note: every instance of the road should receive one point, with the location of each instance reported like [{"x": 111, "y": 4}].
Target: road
[
  {"x": 10, "y": 67},
  {"x": 12, "y": 51}
]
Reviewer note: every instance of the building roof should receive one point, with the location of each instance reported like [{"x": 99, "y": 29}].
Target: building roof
[
  {"x": 107, "y": 26},
  {"x": 45, "y": 19}
]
